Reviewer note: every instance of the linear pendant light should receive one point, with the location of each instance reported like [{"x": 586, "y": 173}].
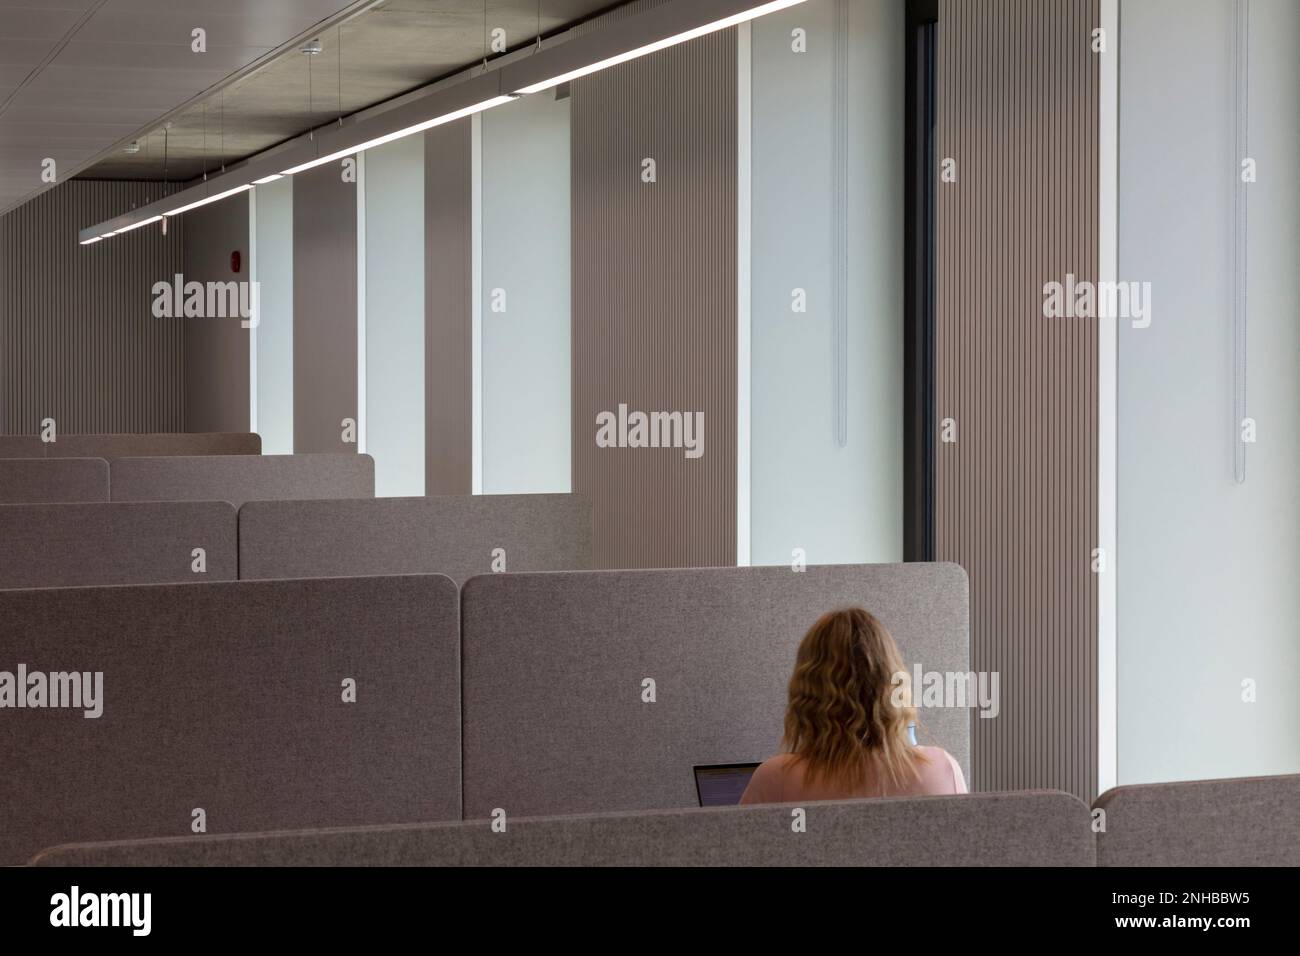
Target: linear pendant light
[
  {"x": 137, "y": 225},
  {"x": 207, "y": 199},
  {"x": 654, "y": 47},
  {"x": 399, "y": 134},
  {"x": 661, "y": 27}
]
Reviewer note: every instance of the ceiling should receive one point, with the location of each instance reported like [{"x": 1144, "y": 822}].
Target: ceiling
[
  {"x": 77, "y": 76},
  {"x": 80, "y": 79}
]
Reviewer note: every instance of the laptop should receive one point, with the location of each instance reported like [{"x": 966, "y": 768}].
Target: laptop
[{"x": 722, "y": 784}]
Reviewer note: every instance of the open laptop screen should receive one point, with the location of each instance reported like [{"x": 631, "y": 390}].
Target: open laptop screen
[{"x": 722, "y": 785}]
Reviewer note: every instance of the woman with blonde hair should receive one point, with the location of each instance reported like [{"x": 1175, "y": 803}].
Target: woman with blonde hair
[{"x": 846, "y": 724}]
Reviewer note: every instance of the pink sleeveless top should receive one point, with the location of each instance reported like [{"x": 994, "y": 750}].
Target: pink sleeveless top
[{"x": 780, "y": 779}]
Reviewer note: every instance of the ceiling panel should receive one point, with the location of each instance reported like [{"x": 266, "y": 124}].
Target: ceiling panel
[
  {"x": 124, "y": 80},
  {"x": 155, "y": 101},
  {"x": 40, "y": 24},
  {"x": 158, "y": 56},
  {"x": 22, "y": 53},
  {"x": 223, "y": 28},
  {"x": 33, "y": 134},
  {"x": 11, "y": 76},
  {"x": 129, "y": 61},
  {"x": 16, "y": 157},
  {"x": 314, "y": 10},
  {"x": 388, "y": 50},
  {"x": 78, "y": 5},
  {"x": 80, "y": 79},
  {"x": 80, "y": 114}
]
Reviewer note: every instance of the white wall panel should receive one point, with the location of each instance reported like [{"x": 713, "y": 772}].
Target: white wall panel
[{"x": 394, "y": 303}]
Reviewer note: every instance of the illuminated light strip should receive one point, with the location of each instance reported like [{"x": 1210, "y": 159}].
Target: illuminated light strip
[
  {"x": 207, "y": 199},
  {"x": 731, "y": 21},
  {"x": 137, "y": 225},
  {"x": 722, "y": 24},
  {"x": 86, "y": 242},
  {"x": 399, "y": 134}
]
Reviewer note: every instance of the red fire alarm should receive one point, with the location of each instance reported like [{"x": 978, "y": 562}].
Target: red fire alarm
[{"x": 235, "y": 262}]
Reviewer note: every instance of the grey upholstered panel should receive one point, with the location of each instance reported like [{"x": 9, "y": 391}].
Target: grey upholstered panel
[
  {"x": 156, "y": 445},
  {"x": 229, "y": 697},
  {"x": 1031, "y": 828},
  {"x": 554, "y": 664},
  {"x": 21, "y": 446},
  {"x": 1239, "y": 821},
  {"x": 453, "y": 535},
  {"x": 69, "y": 545},
  {"x": 42, "y": 481},
  {"x": 240, "y": 478}
]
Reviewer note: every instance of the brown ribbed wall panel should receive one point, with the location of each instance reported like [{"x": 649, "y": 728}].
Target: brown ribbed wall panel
[
  {"x": 654, "y": 299},
  {"x": 324, "y": 309},
  {"x": 448, "y": 309},
  {"x": 78, "y": 339},
  {"x": 216, "y": 350},
  {"x": 1016, "y": 496}
]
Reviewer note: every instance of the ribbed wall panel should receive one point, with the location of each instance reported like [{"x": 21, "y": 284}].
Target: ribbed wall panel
[
  {"x": 78, "y": 340},
  {"x": 216, "y": 350},
  {"x": 449, "y": 309},
  {"x": 324, "y": 309},
  {"x": 1016, "y": 496},
  {"x": 654, "y": 299}
]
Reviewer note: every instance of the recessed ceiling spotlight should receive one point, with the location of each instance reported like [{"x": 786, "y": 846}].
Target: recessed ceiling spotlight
[{"x": 311, "y": 48}]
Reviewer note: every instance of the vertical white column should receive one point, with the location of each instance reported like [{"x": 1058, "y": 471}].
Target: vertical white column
[
  {"x": 526, "y": 348},
  {"x": 476, "y": 306},
  {"x": 1107, "y": 410},
  {"x": 255, "y": 319},
  {"x": 1240, "y": 257},
  {"x": 392, "y": 346},
  {"x": 744, "y": 143},
  {"x": 271, "y": 342},
  {"x": 361, "y": 303}
]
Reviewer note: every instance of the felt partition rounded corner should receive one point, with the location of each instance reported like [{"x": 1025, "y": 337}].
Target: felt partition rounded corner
[{"x": 51, "y": 481}]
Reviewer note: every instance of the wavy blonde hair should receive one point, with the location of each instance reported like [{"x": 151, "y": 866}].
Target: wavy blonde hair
[{"x": 842, "y": 720}]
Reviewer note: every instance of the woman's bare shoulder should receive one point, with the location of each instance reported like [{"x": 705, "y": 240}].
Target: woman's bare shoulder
[
  {"x": 776, "y": 767},
  {"x": 937, "y": 754},
  {"x": 943, "y": 765}
]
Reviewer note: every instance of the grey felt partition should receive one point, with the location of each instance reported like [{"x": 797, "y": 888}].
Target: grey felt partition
[
  {"x": 21, "y": 446},
  {"x": 455, "y": 535},
  {"x": 1238, "y": 821},
  {"x": 229, "y": 698},
  {"x": 69, "y": 545},
  {"x": 155, "y": 445},
  {"x": 241, "y": 478},
  {"x": 1030, "y": 828},
  {"x": 554, "y": 666},
  {"x": 41, "y": 481}
]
